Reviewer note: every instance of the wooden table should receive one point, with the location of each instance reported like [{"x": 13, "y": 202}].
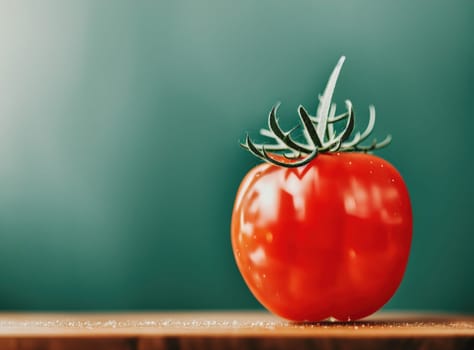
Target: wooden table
[{"x": 230, "y": 330}]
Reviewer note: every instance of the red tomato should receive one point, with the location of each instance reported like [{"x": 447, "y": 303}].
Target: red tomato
[{"x": 328, "y": 239}]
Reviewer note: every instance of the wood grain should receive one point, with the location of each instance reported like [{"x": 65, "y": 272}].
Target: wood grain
[{"x": 230, "y": 330}]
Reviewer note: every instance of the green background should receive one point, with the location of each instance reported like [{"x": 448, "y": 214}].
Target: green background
[{"x": 119, "y": 129}]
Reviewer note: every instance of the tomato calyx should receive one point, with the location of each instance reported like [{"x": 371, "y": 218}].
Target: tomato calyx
[{"x": 319, "y": 133}]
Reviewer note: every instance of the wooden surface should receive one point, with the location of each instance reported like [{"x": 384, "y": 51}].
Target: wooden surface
[{"x": 230, "y": 330}]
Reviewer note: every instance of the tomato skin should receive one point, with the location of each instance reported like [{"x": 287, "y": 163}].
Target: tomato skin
[{"x": 329, "y": 239}]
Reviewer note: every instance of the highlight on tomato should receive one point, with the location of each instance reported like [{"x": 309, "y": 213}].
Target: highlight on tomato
[{"x": 323, "y": 228}]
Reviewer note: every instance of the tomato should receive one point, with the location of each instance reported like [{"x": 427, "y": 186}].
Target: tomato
[
  {"x": 328, "y": 239},
  {"x": 322, "y": 229}
]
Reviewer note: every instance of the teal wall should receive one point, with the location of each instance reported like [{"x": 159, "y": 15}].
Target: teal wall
[{"x": 119, "y": 123}]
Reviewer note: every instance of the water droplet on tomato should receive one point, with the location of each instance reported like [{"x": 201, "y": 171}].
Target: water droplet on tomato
[
  {"x": 258, "y": 174},
  {"x": 381, "y": 165},
  {"x": 371, "y": 172},
  {"x": 269, "y": 237},
  {"x": 350, "y": 162},
  {"x": 352, "y": 254},
  {"x": 393, "y": 180}
]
